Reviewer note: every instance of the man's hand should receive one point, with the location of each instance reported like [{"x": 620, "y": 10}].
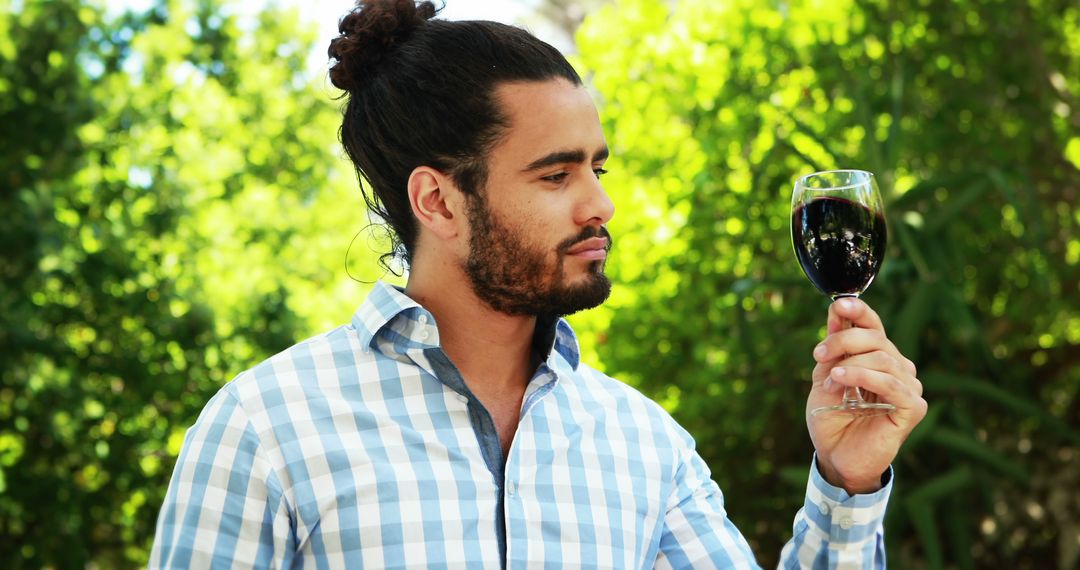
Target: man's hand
[{"x": 853, "y": 452}]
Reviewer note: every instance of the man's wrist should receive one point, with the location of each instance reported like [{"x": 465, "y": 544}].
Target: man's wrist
[{"x": 852, "y": 487}]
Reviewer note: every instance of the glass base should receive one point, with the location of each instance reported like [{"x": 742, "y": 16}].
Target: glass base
[{"x": 856, "y": 408}]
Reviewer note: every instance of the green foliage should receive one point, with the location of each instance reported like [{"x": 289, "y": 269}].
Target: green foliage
[
  {"x": 172, "y": 201},
  {"x": 968, "y": 112}
]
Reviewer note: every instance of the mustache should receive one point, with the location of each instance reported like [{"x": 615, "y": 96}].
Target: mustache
[{"x": 587, "y": 233}]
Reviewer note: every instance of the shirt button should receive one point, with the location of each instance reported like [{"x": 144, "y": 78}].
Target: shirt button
[
  {"x": 463, "y": 398},
  {"x": 823, "y": 508},
  {"x": 422, "y": 319},
  {"x": 424, "y": 335},
  {"x": 846, "y": 523},
  {"x": 511, "y": 488}
]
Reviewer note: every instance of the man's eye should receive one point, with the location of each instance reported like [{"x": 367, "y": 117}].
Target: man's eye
[
  {"x": 599, "y": 172},
  {"x": 556, "y": 177}
]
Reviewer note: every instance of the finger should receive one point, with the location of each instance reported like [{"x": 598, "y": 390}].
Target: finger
[
  {"x": 878, "y": 360},
  {"x": 835, "y": 324},
  {"x": 821, "y": 371},
  {"x": 888, "y": 388},
  {"x": 910, "y": 366},
  {"x": 850, "y": 342},
  {"x": 857, "y": 311},
  {"x": 882, "y": 361}
]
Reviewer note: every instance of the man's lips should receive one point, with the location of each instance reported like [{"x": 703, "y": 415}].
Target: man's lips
[{"x": 592, "y": 248}]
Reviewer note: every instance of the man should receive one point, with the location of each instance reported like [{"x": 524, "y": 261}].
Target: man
[{"x": 451, "y": 424}]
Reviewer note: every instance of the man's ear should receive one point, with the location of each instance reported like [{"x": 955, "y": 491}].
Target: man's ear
[{"x": 436, "y": 202}]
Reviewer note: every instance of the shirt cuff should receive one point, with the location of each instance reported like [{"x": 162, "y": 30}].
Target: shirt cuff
[{"x": 845, "y": 518}]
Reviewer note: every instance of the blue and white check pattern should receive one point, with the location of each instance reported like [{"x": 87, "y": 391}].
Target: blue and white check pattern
[{"x": 364, "y": 448}]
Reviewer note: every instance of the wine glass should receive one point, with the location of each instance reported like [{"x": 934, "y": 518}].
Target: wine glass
[{"x": 838, "y": 230}]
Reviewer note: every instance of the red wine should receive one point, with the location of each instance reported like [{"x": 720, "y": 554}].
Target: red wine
[{"x": 839, "y": 244}]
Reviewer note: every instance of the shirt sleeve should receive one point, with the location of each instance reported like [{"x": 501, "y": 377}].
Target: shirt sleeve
[
  {"x": 836, "y": 530},
  {"x": 832, "y": 530},
  {"x": 224, "y": 506}
]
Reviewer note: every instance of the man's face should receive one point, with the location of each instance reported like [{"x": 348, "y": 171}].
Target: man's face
[{"x": 537, "y": 242}]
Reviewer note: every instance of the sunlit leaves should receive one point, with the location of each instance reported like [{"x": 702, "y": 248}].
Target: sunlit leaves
[
  {"x": 966, "y": 113},
  {"x": 180, "y": 212}
]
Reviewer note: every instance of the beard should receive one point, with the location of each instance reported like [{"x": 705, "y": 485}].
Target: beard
[{"x": 516, "y": 277}]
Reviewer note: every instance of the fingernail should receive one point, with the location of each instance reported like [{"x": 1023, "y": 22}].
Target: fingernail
[
  {"x": 828, "y": 384},
  {"x": 820, "y": 351},
  {"x": 839, "y": 372},
  {"x": 847, "y": 304}
]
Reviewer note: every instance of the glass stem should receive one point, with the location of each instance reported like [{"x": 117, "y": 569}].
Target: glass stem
[{"x": 853, "y": 397}]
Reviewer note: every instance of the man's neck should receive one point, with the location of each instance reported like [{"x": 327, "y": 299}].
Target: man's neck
[{"x": 492, "y": 350}]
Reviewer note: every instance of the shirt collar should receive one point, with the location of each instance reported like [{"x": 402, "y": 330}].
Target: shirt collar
[
  {"x": 388, "y": 311},
  {"x": 556, "y": 334}
]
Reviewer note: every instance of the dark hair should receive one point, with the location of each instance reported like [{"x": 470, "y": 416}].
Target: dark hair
[{"x": 421, "y": 93}]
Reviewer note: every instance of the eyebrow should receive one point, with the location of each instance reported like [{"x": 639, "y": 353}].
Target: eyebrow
[{"x": 565, "y": 157}]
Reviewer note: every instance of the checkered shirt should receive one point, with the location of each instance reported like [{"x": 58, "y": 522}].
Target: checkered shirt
[{"x": 364, "y": 448}]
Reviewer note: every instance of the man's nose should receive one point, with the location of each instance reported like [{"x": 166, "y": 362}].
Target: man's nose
[{"x": 596, "y": 207}]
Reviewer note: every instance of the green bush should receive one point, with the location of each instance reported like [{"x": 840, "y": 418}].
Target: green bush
[{"x": 969, "y": 113}]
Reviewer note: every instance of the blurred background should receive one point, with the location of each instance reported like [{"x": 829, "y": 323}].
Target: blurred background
[{"x": 175, "y": 207}]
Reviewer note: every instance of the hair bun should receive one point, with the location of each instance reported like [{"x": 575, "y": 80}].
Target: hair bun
[{"x": 369, "y": 33}]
